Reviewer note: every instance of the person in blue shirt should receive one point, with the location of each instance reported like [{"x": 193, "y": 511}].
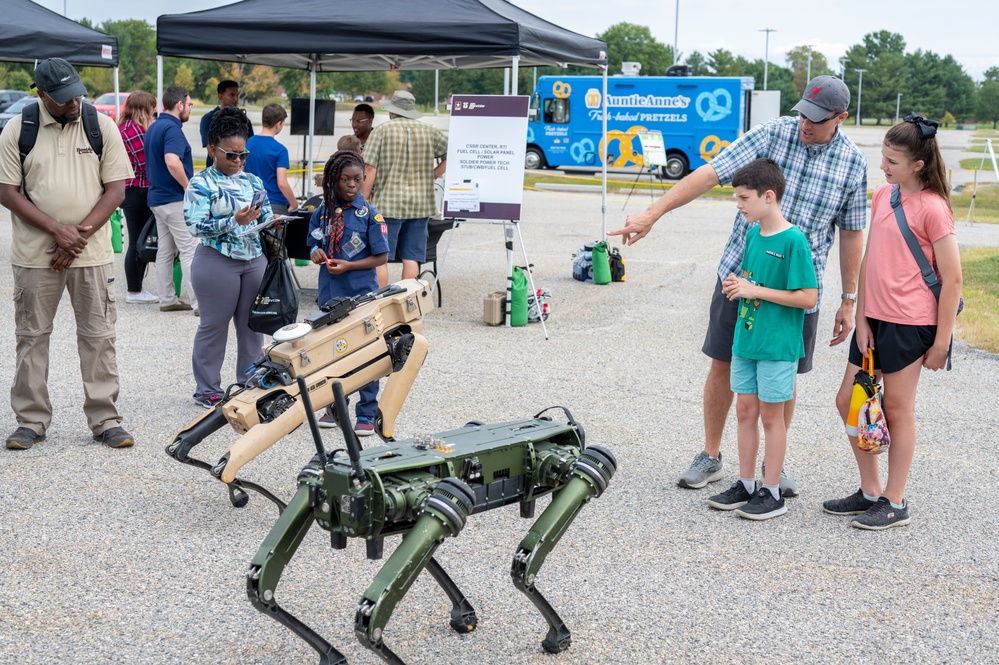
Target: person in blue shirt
[
  {"x": 228, "y": 96},
  {"x": 169, "y": 167},
  {"x": 269, "y": 161},
  {"x": 228, "y": 263},
  {"x": 349, "y": 239}
]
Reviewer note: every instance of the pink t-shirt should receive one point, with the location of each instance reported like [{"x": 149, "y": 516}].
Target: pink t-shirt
[{"x": 894, "y": 289}]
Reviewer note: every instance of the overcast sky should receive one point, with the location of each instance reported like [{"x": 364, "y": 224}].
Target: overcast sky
[{"x": 967, "y": 30}]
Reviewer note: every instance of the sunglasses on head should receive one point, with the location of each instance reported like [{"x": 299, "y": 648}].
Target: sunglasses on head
[
  {"x": 819, "y": 122},
  {"x": 233, "y": 156}
]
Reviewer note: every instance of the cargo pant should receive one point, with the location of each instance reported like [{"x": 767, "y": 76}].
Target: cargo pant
[{"x": 37, "y": 292}]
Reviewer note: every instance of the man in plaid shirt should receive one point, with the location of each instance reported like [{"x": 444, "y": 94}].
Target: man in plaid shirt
[
  {"x": 400, "y": 168},
  {"x": 826, "y": 190}
]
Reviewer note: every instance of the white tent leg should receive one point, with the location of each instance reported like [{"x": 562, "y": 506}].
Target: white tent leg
[
  {"x": 117, "y": 96},
  {"x": 159, "y": 82},
  {"x": 603, "y": 161},
  {"x": 514, "y": 63},
  {"x": 312, "y": 125}
]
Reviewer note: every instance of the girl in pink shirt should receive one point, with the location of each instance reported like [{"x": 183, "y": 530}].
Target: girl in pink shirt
[{"x": 897, "y": 314}]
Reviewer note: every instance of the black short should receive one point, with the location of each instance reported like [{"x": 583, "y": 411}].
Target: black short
[
  {"x": 896, "y": 346},
  {"x": 722, "y": 317}
]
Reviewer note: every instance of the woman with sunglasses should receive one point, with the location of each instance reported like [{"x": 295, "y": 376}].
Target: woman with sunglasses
[{"x": 228, "y": 263}]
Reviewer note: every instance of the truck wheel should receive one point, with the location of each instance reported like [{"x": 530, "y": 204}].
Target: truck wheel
[
  {"x": 534, "y": 159},
  {"x": 676, "y": 166}
]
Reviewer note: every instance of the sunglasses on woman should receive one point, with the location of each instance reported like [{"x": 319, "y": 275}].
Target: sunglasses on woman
[{"x": 233, "y": 156}]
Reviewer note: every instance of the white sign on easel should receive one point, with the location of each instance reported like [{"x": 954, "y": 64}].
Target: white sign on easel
[
  {"x": 485, "y": 157},
  {"x": 653, "y": 148},
  {"x": 485, "y": 168}
]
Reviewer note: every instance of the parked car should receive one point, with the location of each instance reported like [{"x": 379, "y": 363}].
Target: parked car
[
  {"x": 16, "y": 108},
  {"x": 8, "y": 97},
  {"x": 105, "y": 103}
]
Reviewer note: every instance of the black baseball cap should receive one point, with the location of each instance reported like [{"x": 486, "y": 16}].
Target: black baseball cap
[
  {"x": 58, "y": 79},
  {"x": 823, "y": 95}
]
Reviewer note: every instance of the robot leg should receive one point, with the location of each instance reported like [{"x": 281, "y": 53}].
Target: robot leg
[
  {"x": 267, "y": 566},
  {"x": 445, "y": 512},
  {"x": 587, "y": 478}
]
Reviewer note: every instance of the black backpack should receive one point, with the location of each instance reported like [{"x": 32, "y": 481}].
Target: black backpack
[{"x": 29, "y": 134}]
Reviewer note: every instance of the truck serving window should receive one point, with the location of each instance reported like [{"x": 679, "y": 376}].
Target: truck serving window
[{"x": 557, "y": 111}]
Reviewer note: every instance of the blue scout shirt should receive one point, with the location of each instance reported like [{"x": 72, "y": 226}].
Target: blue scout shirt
[
  {"x": 364, "y": 234},
  {"x": 166, "y": 135}
]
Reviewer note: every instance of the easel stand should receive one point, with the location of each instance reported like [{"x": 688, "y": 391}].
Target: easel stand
[
  {"x": 995, "y": 169},
  {"x": 652, "y": 180},
  {"x": 509, "y": 226}
]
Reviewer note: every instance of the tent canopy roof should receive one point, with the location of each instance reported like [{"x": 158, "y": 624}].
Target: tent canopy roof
[
  {"x": 385, "y": 34},
  {"x": 30, "y": 32}
]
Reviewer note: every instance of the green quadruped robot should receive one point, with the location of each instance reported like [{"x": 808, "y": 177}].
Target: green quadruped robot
[{"x": 423, "y": 489}]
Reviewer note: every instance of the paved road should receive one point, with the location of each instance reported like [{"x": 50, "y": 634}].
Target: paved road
[{"x": 125, "y": 556}]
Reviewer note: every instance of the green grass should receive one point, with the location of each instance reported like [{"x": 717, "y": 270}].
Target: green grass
[
  {"x": 986, "y": 204},
  {"x": 978, "y": 324}
]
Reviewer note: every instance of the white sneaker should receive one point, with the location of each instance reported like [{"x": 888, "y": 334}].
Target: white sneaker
[{"x": 141, "y": 297}]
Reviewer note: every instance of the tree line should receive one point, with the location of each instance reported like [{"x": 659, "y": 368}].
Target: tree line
[{"x": 935, "y": 86}]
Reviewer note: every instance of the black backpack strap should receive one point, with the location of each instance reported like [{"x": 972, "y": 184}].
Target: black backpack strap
[
  {"x": 92, "y": 127},
  {"x": 30, "y": 119},
  {"x": 929, "y": 274},
  {"x": 25, "y": 143}
]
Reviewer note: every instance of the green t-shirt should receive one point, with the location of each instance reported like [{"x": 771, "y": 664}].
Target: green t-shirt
[{"x": 766, "y": 330}]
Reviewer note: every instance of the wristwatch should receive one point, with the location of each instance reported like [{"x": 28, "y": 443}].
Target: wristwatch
[{"x": 849, "y": 296}]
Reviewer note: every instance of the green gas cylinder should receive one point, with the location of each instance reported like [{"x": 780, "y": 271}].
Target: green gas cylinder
[
  {"x": 601, "y": 264},
  {"x": 116, "y": 243},
  {"x": 518, "y": 298}
]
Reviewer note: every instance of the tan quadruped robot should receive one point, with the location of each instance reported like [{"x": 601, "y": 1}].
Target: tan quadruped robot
[{"x": 351, "y": 340}]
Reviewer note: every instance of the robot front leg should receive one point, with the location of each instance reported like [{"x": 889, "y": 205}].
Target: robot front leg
[
  {"x": 269, "y": 563},
  {"x": 445, "y": 511},
  {"x": 587, "y": 478}
]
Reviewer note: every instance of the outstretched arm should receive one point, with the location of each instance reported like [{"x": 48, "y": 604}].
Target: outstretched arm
[{"x": 638, "y": 225}]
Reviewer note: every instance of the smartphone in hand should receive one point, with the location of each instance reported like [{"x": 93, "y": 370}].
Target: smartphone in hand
[{"x": 258, "y": 199}]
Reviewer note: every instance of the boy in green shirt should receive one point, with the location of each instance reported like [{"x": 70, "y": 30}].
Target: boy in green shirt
[{"x": 776, "y": 287}]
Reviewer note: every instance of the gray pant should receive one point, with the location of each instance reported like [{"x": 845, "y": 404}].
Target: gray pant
[
  {"x": 174, "y": 239},
  {"x": 226, "y": 289}
]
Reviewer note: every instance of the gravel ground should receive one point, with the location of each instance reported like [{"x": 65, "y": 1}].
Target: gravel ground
[{"x": 125, "y": 556}]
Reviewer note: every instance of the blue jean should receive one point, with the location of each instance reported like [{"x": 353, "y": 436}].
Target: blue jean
[{"x": 367, "y": 404}]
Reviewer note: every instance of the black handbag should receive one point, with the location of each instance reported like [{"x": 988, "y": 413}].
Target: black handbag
[
  {"x": 148, "y": 241},
  {"x": 276, "y": 304}
]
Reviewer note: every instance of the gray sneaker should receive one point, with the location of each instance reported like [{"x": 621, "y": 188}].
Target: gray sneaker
[
  {"x": 788, "y": 487},
  {"x": 23, "y": 438},
  {"x": 855, "y": 504},
  {"x": 882, "y": 515},
  {"x": 704, "y": 469}
]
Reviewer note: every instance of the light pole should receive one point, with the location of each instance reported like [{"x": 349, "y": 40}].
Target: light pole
[
  {"x": 860, "y": 87},
  {"x": 898, "y": 105},
  {"x": 676, "y": 34},
  {"x": 808, "y": 70},
  {"x": 766, "y": 55}
]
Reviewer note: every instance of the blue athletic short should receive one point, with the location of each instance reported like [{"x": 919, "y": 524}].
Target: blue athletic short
[
  {"x": 407, "y": 239},
  {"x": 772, "y": 380}
]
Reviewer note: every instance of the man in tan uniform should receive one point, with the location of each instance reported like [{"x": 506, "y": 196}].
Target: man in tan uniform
[{"x": 61, "y": 242}]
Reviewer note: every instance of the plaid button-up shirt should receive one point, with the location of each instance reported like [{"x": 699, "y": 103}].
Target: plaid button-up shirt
[
  {"x": 826, "y": 187},
  {"x": 133, "y": 136},
  {"x": 404, "y": 154}
]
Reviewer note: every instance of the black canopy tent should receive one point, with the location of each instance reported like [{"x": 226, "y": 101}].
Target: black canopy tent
[
  {"x": 331, "y": 35},
  {"x": 32, "y": 33}
]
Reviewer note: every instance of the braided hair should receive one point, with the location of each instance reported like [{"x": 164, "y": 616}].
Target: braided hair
[
  {"x": 228, "y": 122},
  {"x": 335, "y": 165}
]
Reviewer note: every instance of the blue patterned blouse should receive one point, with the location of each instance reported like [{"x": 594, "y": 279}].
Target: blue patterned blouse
[{"x": 210, "y": 205}]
